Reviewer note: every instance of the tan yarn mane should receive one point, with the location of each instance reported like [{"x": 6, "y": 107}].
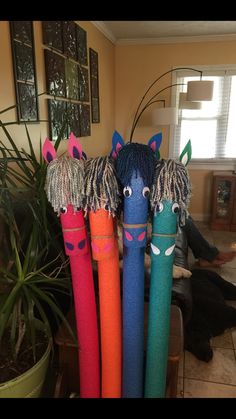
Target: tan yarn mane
[
  {"x": 65, "y": 182},
  {"x": 101, "y": 186}
]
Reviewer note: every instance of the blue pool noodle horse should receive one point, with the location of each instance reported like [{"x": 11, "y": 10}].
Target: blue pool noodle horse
[{"x": 135, "y": 165}]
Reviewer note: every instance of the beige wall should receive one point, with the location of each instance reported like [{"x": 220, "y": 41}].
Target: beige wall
[
  {"x": 137, "y": 66},
  {"x": 125, "y": 72},
  {"x": 99, "y": 143}
]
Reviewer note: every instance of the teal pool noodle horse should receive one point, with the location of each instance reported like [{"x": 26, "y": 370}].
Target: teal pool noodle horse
[{"x": 169, "y": 200}]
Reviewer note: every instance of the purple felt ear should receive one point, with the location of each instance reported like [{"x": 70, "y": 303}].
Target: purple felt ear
[
  {"x": 155, "y": 142},
  {"x": 117, "y": 144},
  {"x": 48, "y": 150},
  {"x": 74, "y": 147}
]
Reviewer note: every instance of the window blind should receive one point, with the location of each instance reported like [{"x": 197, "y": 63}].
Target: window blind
[{"x": 211, "y": 129}]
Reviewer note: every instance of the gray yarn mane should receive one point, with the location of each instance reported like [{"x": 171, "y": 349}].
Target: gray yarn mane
[
  {"x": 171, "y": 182},
  {"x": 101, "y": 186},
  {"x": 65, "y": 182}
]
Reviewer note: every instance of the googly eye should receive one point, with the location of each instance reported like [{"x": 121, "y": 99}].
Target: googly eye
[
  {"x": 159, "y": 207},
  {"x": 63, "y": 210},
  {"x": 175, "y": 208},
  {"x": 146, "y": 192},
  {"x": 127, "y": 191},
  {"x": 106, "y": 207}
]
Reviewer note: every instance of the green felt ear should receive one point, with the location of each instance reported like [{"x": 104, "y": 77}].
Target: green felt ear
[{"x": 186, "y": 154}]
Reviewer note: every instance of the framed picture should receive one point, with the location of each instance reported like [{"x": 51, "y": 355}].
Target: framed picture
[
  {"x": 58, "y": 123},
  {"x": 67, "y": 79},
  {"x": 69, "y": 39},
  {"x": 94, "y": 85},
  {"x": 82, "y": 46},
  {"x": 23, "y": 56},
  {"x": 55, "y": 74},
  {"x": 52, "y": 34}
]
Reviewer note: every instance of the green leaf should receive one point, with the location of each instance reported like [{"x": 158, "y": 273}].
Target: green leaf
[
  {"x": 17, "y": 258},
  {"x": 7, "y": 308},
  {"x": 21, "y": 163}
]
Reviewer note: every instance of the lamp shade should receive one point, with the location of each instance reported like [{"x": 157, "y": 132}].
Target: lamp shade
[
  {"x": 200, "y": 90},
  {"x": 187, "y": 104},
  {"x": 165, "y": 116}
]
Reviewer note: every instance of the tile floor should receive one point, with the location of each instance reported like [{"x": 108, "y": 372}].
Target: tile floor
[
  {"x": 197, "y": 379},
  {"x": 217, "y": 378}
]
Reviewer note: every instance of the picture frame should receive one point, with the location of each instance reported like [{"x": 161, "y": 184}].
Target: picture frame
[{"x": 94, "y": 86}]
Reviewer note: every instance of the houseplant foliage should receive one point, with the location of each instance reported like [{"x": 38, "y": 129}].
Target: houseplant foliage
[{"x": 33, "y": 268}]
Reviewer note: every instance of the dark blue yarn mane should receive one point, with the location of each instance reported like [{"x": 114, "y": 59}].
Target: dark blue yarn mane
[{"x": 135, "y": 158}]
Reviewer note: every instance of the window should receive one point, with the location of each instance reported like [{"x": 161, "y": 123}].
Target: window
[{"x": 211, "y": 129}]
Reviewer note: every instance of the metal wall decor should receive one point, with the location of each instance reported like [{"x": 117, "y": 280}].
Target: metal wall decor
[
  {"x": 23, "y": 56},
  {"x": 94, "y": 87},
  {"x": 55, "y": 74},
  {"x": 57, "y": 111},
  {"x": 67, "y": 78},
  {"x": 52, "y": 34}
]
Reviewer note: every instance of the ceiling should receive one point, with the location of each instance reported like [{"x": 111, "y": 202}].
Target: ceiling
[{"x": 123, "y": 31}]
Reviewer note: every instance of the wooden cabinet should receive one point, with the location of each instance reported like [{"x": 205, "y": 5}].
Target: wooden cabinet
[{"x": 224, "y": 201}]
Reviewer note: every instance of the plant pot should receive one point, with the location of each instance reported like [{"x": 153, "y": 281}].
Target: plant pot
[{"x": 30, "y": 383}]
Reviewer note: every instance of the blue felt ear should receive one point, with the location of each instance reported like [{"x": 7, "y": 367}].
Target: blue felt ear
[
  {"x": 155, "y": 142},
  {"x": 117, "y": 144}
]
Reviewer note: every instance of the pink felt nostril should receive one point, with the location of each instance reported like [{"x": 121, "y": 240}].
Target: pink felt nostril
[
  {"x": 128, "y": 236},
  {"x": 94, "y": 247},
  {"x": 107, "y": 247},
  {"x": 142, "y": 236}
]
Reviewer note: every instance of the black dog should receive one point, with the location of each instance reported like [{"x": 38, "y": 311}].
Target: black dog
[{"x": 211, "y": 316}]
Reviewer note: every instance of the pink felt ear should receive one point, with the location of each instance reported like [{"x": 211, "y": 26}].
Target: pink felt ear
[
  {"x": 153, "y": 146},
  {"x": 74, "y": 147},
  {"x": 116, "y": 151},
  {"x": 155, "y": 141},
  {"x": 117, "y": 144},
  {"x": 48, "y": 150},
  {"x": 118, "y": 147}
]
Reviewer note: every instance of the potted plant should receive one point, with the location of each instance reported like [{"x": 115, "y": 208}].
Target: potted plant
[{"x": 33, "y": 271}]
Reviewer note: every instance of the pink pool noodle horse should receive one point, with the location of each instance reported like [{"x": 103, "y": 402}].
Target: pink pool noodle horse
[{"x": 65, "y": 189}]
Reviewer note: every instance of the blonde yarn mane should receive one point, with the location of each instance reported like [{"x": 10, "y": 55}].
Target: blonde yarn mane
[{"x": 65, "y": 182}]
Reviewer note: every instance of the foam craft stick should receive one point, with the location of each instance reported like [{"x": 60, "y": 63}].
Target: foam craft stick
[
  {"x": 64, "y": 188},
  {"x": 169, "y": 203},
  {"x": 105, "y": 251},
  {"x": 135, "y": 165}
]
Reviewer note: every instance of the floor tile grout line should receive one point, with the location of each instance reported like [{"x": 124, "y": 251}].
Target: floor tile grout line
[
  {"x": 211, "y": 382},
  {"x": 214, "y": 240}
]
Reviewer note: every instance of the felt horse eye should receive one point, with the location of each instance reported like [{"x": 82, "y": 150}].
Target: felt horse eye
[
  {"x": 175, "y": 208},
  {"x": 63, "y": 210},
  {"x": 127, "y": 191},
  {"x": 146, "y": 192},
  {"x": 159, "y": 207}
]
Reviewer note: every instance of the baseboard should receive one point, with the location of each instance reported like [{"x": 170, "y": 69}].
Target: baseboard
[{"x": 200, "y": 217}]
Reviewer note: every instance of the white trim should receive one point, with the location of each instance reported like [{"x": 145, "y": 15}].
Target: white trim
[
  {"x": 176, "y": 39},
  {"x": 204, "y": 68},
  {"x": 199, "y": 164},
  {"x": 102, "y": 27}
]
